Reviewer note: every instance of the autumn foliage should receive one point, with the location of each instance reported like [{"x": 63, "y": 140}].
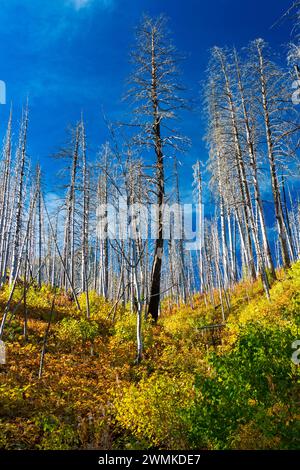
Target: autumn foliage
[{"x": 238, "y": 391}]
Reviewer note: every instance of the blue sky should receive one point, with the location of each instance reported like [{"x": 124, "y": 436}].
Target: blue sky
[{"x": 70, "y": 56}]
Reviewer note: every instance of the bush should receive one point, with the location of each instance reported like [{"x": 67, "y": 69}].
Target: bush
[
  {"x": 152, "y": 409},
  {"x": 125, "y": 329},
  {"x": 247, "y": 385},
  {"x": 56, "y": 435},
  {"x": 71, "y": 332}
]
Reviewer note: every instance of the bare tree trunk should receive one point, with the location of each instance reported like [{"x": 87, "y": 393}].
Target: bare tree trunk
[
  {"x": 253, "y": 164},
  {"x": 197, "y": 183},
  {"x": 18, "y": 265},
  {"x": 20, "y": 193},
  {"x": 65, "y": 268},
  {"x": 45, "y": 340},
  {"x": 69, "y": 236},
  {"x": 85, "y": 223},
  {"x": 39, "y": 208},
  {"x": 182, "y": 276},
  {"x": 4, "y": 211},
  {"x": 272, "y": 162},
  {"x": 242, "y": 179},
  {"x": 153, "y": 306}
]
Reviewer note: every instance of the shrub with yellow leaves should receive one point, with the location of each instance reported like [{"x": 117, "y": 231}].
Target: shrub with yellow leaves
[{"x": 151, "y": 410}]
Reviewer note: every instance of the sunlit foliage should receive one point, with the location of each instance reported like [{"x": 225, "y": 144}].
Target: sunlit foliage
[{"x": 242, "y": 392}]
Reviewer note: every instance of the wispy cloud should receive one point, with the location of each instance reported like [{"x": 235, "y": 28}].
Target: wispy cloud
[{"x": 80, "y": 4}]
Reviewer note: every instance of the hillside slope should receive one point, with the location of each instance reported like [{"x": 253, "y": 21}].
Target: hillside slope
[{"x": 234, "y": 386}]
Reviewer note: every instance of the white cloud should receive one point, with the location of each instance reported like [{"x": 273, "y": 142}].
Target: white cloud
[{"x": 79, "y": 4}]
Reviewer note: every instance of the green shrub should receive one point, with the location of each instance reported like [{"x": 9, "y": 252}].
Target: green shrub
[
  {"x": 71, "y": 332},
  {"x": 56, "y": 435},
  {"x": 125, "y": 329},
  {"x": 246, "y": 385}
]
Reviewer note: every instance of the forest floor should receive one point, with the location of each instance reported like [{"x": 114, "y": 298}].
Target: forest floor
[{"x": 234, "y": 387}]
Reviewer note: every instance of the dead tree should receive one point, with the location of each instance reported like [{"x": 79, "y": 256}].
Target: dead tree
[
  {"x": 156, "y": 97},
  {"x": 273, "y": 101},
  {"x": 5, "y": 199},
  {"x": 20, "y": 176}
]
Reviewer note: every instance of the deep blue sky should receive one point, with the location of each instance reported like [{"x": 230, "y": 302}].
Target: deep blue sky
[{"x": 70, "y": 56}]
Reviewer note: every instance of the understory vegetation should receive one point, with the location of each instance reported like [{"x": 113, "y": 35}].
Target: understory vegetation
[{"x": 229, "y": 387}]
